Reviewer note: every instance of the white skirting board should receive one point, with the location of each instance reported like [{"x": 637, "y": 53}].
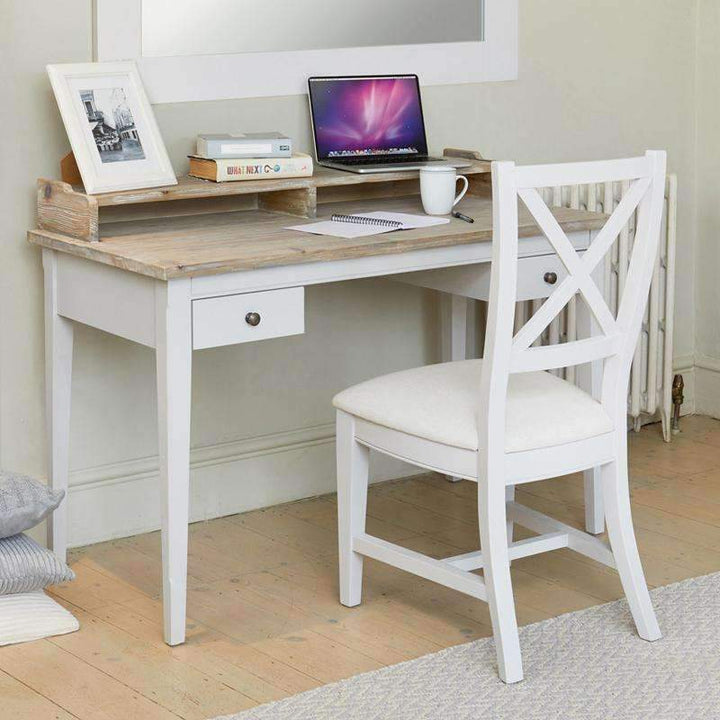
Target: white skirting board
[
  {"x": 32, "y": 616},
  {"x": 124, "y": 498},
  {"x": 707, "y": 385}
]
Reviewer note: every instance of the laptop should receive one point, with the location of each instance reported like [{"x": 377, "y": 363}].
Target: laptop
[{"x": 370, "y": 124}]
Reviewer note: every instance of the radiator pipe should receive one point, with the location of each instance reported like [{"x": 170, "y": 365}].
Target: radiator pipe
[{"x": 678, "y": 386}]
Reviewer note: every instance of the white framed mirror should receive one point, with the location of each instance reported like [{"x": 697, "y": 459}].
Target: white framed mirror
[
  {"x": 190, "y": 50},
  {"x": 172, "y": 28}
]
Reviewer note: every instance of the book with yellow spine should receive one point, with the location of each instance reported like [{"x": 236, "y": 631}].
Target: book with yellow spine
[{"x": 228, "y": 169}]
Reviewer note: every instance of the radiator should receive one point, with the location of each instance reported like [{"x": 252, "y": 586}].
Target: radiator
[{"x": 650, "y": 391}]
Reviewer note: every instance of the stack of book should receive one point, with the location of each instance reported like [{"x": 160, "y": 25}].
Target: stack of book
[{"x": 248, "y": 156}]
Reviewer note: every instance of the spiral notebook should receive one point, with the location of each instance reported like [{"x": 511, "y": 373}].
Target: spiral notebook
[{"x": 366, "y": 224}]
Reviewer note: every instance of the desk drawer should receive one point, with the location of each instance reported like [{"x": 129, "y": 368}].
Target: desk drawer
[
  {"x": 473, "y": 281},
  {"x": 233, "y": 319},
  {"x": 539, "y": 276}
]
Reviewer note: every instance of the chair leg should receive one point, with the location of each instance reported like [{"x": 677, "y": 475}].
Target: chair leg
[
  {"x": 616, "y": 495},
  {"x": 352, "y": 484},
  {"x": 496, "y": 572}
]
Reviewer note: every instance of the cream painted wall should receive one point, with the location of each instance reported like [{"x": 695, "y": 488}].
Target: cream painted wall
[
  {"x": 32, "y": 138},
  {"x": 598, "y": 78},
  {"x": 707, "y": 291}
]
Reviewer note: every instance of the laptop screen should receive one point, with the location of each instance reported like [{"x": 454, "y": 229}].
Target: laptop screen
[{"x": 367, "y": 116}]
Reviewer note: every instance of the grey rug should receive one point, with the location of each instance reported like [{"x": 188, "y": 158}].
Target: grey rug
[{"x": 587, "y": 665}]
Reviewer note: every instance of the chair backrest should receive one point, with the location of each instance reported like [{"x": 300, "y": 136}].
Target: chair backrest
[{"x": 615, "y": 338}]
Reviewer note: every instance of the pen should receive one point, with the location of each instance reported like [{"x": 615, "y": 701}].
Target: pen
[{"x": 460, "y": 216}]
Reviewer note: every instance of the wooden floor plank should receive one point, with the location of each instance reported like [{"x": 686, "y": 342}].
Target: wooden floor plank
[
  {"x": 150, "y": 670},
  {"x": 317, "y": 656},
  {"x": 197, "y": 652},
  {"x": 323, "y": 512},
  {"x": 273, "y": 673},
  {"x": 81, "y": 689},
  {"x": 20, "y": 702},
  {"x": 92, "y": 588},
  {"x": 292, "y": 531}
]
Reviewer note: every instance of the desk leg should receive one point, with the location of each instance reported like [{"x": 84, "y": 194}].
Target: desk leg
[
  {"x": 174, "y": 368},
  {"x": 454, "y": 327},
  {"x": 454, "y": 332},
  {"x": 58, "y": 381}
]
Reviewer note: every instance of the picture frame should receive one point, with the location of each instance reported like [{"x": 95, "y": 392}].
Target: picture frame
[{"x": 111, "y": 126}]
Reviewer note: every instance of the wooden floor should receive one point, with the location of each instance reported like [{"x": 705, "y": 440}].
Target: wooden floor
[{"x": 264, "y": 617}]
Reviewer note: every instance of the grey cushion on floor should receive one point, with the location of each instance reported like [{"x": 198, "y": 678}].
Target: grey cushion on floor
[
  {"x": 26, "y": 567},
  {"x": 24, "y": 502}
]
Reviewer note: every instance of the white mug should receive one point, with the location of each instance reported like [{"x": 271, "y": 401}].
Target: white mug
[{"x": 437, "y": 189}]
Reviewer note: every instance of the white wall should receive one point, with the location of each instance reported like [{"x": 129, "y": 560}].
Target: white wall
[
  {"x": 32, "y": 138},
  {"x": 598, "y": 78},
  {"x": 707, "y": 292}
]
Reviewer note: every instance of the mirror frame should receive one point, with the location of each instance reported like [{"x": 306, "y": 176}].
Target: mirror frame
[{"x": 118, "y": 36}]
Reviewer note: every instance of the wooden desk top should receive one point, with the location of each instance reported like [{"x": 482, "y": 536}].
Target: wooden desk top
[{"x": 196, "y": 245}]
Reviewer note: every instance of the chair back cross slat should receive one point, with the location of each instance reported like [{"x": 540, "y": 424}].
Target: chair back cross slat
[{"x": 579, "y": 278}]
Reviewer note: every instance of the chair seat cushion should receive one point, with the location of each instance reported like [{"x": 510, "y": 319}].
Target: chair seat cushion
[{"x": 439, "y": 403}]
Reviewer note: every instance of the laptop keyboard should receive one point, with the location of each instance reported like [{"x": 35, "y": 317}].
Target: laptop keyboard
[{"x": 385, "y": 159}]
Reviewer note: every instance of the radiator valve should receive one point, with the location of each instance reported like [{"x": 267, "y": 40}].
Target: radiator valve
[{"x": 677, "y": 400}]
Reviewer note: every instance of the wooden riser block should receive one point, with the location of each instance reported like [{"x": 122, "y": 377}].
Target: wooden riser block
[
  {"x": 349, "y": 193},
  {"x": 479, "y": 185},
  {"x": 62, "y": 210},
  {"x": 301, "y": 202}
]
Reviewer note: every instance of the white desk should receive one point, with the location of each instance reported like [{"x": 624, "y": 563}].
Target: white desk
[{"x": 181, "y": 284}]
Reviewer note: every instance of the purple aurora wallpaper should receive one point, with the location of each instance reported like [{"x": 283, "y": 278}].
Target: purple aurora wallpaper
[{"x": 367, "y": 115}]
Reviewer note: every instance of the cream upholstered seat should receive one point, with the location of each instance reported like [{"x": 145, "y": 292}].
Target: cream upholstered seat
[{"x": 439, "y": 403}]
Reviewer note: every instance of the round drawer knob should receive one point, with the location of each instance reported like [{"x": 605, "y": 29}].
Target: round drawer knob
[
  {"x": 253, "y": 318},
  {"x": 550, "y": 278}
]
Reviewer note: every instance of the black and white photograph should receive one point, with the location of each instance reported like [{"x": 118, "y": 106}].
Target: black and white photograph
[{"x": 112, "y": 125}]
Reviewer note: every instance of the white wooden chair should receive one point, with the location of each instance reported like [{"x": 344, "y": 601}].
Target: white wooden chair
[{"x": 505, "y": 420}]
